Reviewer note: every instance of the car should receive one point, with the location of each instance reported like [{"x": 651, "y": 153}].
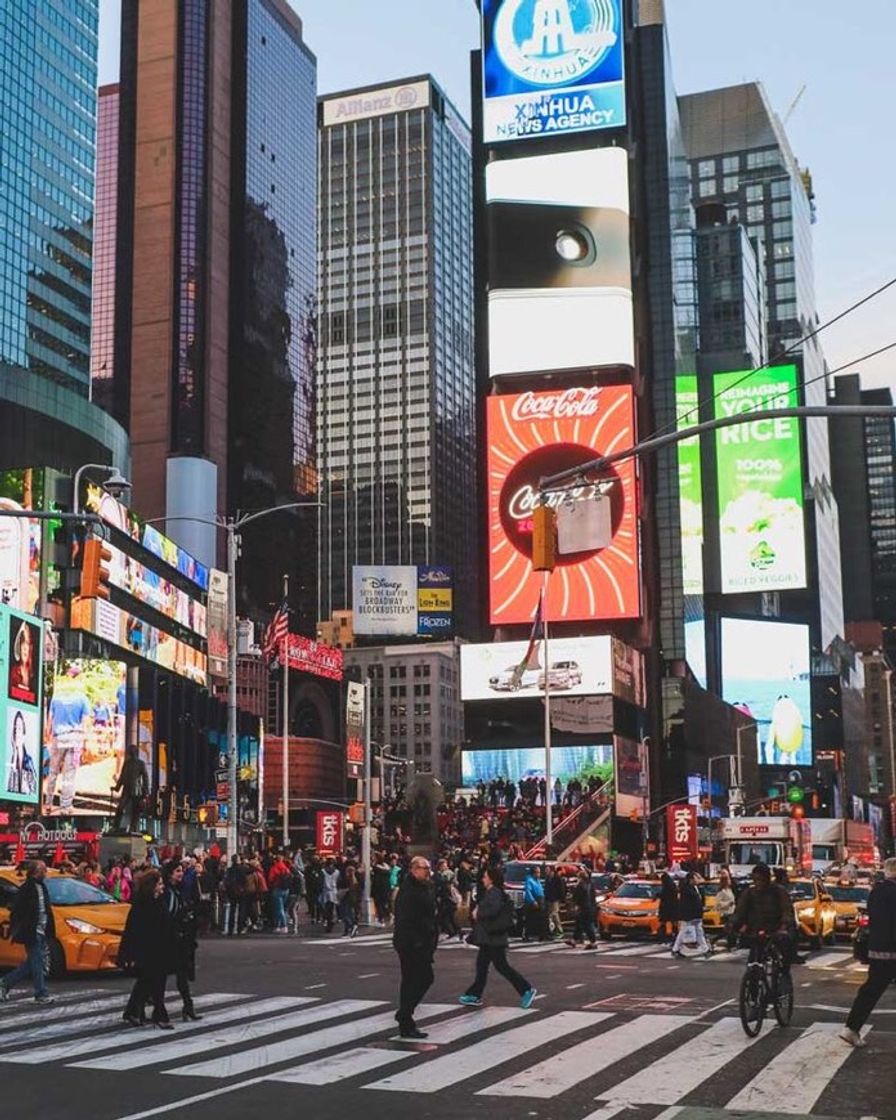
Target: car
[
  {"x": 515, "y": 872},
  {"x": 512, "y": 680},
  {"x": 633, "y": 908},
  {"x": 88, "y": 923},
  {"x": 849, "y": 899},
  {"x": 603, "y": 883},
  {"x": 562, "y": 676},
  {"x": 712, "y": 919},
  {"x": 815, "y": 912}
]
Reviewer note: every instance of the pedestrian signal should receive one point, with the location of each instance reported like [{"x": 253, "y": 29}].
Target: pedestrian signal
[
  {"x": 95, "y": 570},
  {"x": 544, "y": 539}
]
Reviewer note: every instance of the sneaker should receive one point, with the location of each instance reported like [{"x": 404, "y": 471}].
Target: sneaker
[
  {"x": 528, "y": 997},
  {"x": 471, "y": 1001},
  {"x": 853, "y": 1038},
  {"x": 44, "y": 999}
]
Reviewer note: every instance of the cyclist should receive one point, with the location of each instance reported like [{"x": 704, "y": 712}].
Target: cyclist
[{"x": 766, "y": 907}]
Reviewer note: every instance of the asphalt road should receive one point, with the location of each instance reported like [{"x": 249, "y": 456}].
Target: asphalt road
[{"x": 304, "y": 1026}]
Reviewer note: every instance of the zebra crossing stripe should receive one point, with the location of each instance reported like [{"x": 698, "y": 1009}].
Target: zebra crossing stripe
[
  {"x": 23, "y": 1002},
  {"x": 54, "y": 1014},
  {"x": 639, "y": 951},
  {"x": 260, "y": 1057},
  {"x": 460, "y": 1065},
  {"x": 793, "y": 1080},
  {"x": 339, "y": 1067},
  {"x": 578, "y": 1063},
  {"x": 472, "y": 1022},
  {"x": 673, "y": 1076},
  {"x": 828, "y": 959}
]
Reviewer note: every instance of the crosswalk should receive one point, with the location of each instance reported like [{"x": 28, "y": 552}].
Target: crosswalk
[{"x": 619, "y": 1059}]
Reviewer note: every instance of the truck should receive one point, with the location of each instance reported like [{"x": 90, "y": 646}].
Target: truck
[
  {"x": 776, "y": 841},
  {"x": 835, "y": 840}
]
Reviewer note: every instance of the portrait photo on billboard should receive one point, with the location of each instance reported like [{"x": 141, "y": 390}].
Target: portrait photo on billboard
[
  {"x": 551, "y": 68},
  {"x": 531, "y": 435},
  {"x": 559, "y": 271},
  {"x": 508, "y": 670},
  {"x": 84, "y": 737},
  {"x": 20, "y": 755},
  {"x": 766, "y": 674},
  {"x": 516, "y": 763},
  {"x": 24, "y": 646}
]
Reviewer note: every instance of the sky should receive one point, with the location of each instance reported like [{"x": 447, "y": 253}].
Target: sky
[{"x": 841, "y": 128}]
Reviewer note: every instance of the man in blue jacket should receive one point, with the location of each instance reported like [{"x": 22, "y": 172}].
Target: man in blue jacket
[
  {"x": 533, "y": 905},
  {"x": 881, "y": 954}
]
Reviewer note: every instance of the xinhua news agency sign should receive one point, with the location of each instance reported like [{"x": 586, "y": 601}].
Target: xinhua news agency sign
[
  {"x": 681, "y": 833},
  {"x": 329, "y": 833}
]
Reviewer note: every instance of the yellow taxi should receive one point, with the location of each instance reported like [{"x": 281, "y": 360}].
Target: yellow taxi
[
  {"x": 815, "y": 912},
  {"x": 849, "y": 900},
  {"x": 633, "y": 908},
  {"x": 712, "y": 919},
  {"x": 88, "y": 924}
]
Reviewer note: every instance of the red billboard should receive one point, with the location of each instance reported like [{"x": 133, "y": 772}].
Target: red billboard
[
  {"x": 531, "y": 435},
  {"x": 681, "y": 833},
  {"x": 329, "y": 833},
  {"x": 308, "y": 656}
]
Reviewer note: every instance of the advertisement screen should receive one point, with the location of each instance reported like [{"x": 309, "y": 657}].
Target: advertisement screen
[
  {"x": 149, "y": 586},
  {"x": 632, "y": 776},
  {"x": 502, "y": 670},
  {"x": 690, "y": 486},
  {"x": 531, "y": 435},
  {"x": 551, "y": 67},
  {"x": 766, "y": 672},
  {"x": 84, "y": 737},
  {"x": 528, "y": 762},
  {"x": 559, "y": 268},
  {"x": 760, "y": 470},
  {"x": 21, "y": 684}
]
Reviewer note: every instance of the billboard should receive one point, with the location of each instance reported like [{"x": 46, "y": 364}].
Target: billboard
[
  {"x": 766, "y": 673},
  {"x": 551, "y": 67},
  {"x": 632, "y": 776},
  {"x": 681, "y": 833},
  {"x": 403, "y": 600},
  {"x": 149, "y": 586},
  {"x": 218, "y": 584},
  {"x": 760, "y": 473},
  {"x": 435, "y": 601},
  {"x": 528, "y": 762},
  {"x": 690, "y": 486},
  {"x": 21, "y": 700},
  {"x": 535, "y": 434},
  {"x": 329, "y": 832},
  {"x": 308, "y": 656},
  {"x": 355, "y": 734},
  {"x": 84, "y": 737},
  {"x": 559, "y": 268},
  {"x": 501, "y": 671}
]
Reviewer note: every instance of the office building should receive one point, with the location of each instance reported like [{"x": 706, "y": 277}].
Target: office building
[
  {"x": 395, "y": 380},
  {"x": 105, "y": 241}
]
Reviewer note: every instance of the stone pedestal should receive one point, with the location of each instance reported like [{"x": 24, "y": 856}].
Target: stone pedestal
[{"x": 115, "y": 847}]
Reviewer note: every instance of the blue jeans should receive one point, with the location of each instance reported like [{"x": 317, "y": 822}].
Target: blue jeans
[
  {"x": 32, "y": 965},
  {"x": 280, "y": 898}
]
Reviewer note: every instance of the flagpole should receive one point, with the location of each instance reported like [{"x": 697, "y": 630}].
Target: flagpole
[
  {"x": 284, "y": 654},
  {"x": 548, "y": 792}
]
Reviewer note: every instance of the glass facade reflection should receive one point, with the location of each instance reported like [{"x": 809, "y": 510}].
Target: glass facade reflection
[
  {"x": 48, "y": 52},
  {"x": 105, "y": 241}
]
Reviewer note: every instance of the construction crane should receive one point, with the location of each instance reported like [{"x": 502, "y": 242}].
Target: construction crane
[{"x": 793, "y": 104}]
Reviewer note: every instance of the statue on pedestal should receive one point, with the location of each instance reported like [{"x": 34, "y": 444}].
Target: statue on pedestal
[{"x": 133, "y": 781}]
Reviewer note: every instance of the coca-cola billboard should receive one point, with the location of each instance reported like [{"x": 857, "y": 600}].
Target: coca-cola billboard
[{"x": 531, "y": 435}]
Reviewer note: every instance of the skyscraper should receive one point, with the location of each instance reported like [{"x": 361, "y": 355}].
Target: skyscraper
[
  {"x": 395, "y": 379},
  {"x": 102, "y": 329}
]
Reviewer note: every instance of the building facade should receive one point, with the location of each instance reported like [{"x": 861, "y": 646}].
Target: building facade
[
  {"x": 105, "y": 241},
  {"x": 395, "y": 381}
]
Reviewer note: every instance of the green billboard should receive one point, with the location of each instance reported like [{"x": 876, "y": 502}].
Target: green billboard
[
  {"x": 690, "y": 486},
  {"x": 760, "y": 484}
]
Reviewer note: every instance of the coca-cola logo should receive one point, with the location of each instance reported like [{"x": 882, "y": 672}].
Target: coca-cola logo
[
  {"x": 520, "y": 493},
  {"x": 569, "y": 404}
]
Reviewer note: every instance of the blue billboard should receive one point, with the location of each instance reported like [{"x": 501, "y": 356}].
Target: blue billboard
[{"x": 551, "y": 67}]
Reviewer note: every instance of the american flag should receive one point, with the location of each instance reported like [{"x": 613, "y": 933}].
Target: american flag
[{"x": 277, "y": 633}]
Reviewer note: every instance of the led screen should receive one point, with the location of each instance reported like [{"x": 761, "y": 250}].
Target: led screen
[
  {"x": 528, "y": 762},
  {"x": 504, "y": 670},
  {"x": 690, "y": 486},
  {"x": 21, "y": 685},
  {"x": 766, "y": 672}
]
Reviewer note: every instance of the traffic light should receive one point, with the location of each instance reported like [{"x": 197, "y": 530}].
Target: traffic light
[
  {"x": 95, "y": 570},
  {"x": 797, "y": 812},
  {"x": 544, "y": 539}
]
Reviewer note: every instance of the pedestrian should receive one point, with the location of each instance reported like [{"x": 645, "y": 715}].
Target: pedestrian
[
  {"x": 147, "y": 947},
  {"x": 447, "y": 898},
  {"x": 181, "y": 912},
  {"x": 586, "y": 911},
  {"x": 881, "y": 954},
  {"x": 350, "y": 900},
  {"x": 554, "y": 896},
  {"x": 329, "y": 893},
  {"x": 690, "y": 918},
  {"x": 235, "y": 891},
  {"x": 725, "y": 903},
  {"x": 415, "y": 937},
  {"x": 493, "y": 920},
  {"x": 382, "y": 900},
  {"x": 668, "y": 909},
  {"x": 533, "y": 905},
  {"x": 31, "y": 925},
  {"x": 280, "y": 881}
]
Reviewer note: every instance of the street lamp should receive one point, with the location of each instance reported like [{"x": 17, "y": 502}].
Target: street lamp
[{"x": 115, "y": 484}]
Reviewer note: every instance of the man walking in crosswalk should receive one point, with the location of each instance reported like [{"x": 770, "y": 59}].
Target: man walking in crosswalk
[
  {"x": 881, "y": 954},
  {"x": 415, "y": 938}
]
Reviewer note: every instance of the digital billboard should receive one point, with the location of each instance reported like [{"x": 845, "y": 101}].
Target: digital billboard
[
  {"x": 551, "y": 67},
  {"x": 559, "y": 266},
  {"x": 501, "y": 670},
  {"x": 531, "y": 435},
  {"x": 528, "y": 762},
  {"x": 21, "y": 700},
  {"x": 760, "y": 484},
  {"x": 148, "y": 585},
  {"x": 766, "y": 673},
  {"x": 84, "y": 737},
  {"x": 632, "y": 776},
  {"x": 690, "y": 486}
]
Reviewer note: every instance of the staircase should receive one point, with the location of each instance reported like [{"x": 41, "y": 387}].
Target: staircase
[{"x": 578, "y": 823}]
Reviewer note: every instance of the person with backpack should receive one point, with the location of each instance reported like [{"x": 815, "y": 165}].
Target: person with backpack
[
  {"x": 493, "y": 920},
  {"x": 280, "y": 881}
]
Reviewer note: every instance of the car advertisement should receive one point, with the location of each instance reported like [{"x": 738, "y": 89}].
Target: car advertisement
[
  {"x": 760, "y": 473},
  {"x": 502, "y": 671},
  {"x": 559, "y": 264},
  {"x": 531, "y": 435},
  {"x": 690, "y": 486},
  {"x": 551, "y": 67},
  {"x": 21, "y": 699},
  {"x": 766, "y": 673},
  {"x": 518, "y": 763}
]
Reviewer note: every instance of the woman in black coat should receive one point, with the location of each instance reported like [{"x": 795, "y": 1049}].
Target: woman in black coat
[
  {"x": 493, "y": 920},
  {"x": 668, "y": 909},
  {"x": 181, "y": 911},
  {"x": 148, "y": 946}
]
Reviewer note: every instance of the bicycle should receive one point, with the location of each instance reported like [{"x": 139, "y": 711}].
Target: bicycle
[{"x": 766, "y": 983}]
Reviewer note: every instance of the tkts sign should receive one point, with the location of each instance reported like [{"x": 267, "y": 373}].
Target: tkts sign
[
  {"x": 681, "y": 833},
  {"x": 536, "y": 434},
  {"x": 329, "y": 833}
]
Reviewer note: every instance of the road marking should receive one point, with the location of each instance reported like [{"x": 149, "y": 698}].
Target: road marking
[
  {"x": 24, "y": 1002},
  {"x": 638, "y": 951},
  {"x": 570, "y": 987},
  {"x": 44, "y": 1015},
  {"x": 552, "y": 947},
  {"x": 369, "y": 975},
  {"x": 460, "y": 1065},
  {"x": 565, "y": 1070},
  {"x": 826, "y": 959},
  {"x": 670, "y": 1078},
  {"x": 795, "y": 1078},
  {"x": 472, "y": 1022},
  {"x": 260, "y": 1057},
  {"x": 313, "y": 987},
  {"x": 340, "y": 1067},
  {"x": 606, "y": 1113}
]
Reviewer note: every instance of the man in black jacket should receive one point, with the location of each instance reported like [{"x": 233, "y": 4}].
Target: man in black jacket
[
  {"x": 415, "y": 937},
  {"x": 31, "y": 925},
  {"x": 881, "y": 954}
]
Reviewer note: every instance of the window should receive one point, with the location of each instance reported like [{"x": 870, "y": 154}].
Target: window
[
  {"x": 707, "y": 188},
  {"x": 730, "y": 164},
  {"x": 754, "y": 192},
  {"x": 706, "y": 167},
  {"x": 755, "y": 214}
]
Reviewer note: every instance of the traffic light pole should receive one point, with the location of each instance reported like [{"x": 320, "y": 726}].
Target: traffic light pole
[{"x": 233, "y": 834}]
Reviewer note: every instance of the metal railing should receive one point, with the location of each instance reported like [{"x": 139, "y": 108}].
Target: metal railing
[{"x": 576, "y": 821}]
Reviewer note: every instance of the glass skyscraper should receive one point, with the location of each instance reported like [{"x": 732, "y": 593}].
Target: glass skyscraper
[
  {"x": 102, "y": 333},
  {"x": 395, "y": 373}
]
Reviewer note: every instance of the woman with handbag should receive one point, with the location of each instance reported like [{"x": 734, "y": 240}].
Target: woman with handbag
[
  {"x": 147, "y": 946},
  {"x": 493, "y": 920}
]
